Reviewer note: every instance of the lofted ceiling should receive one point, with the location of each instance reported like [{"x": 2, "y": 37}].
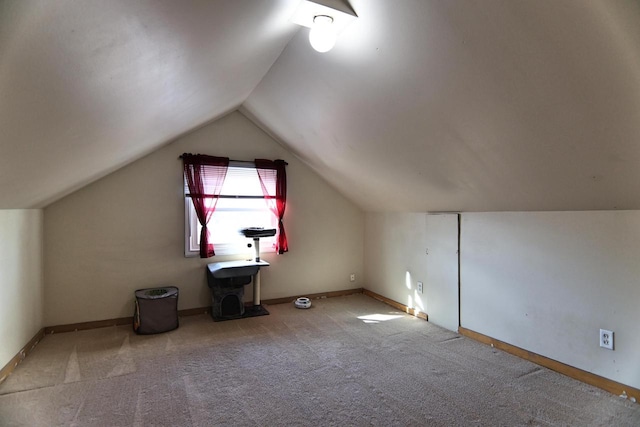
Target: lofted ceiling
[
  {"x": 89, "y": 86},
  {"x": 441, "y": 105}
]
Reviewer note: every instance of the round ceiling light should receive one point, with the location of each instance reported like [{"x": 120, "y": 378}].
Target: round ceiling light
[{"x": 322, "y": 35}]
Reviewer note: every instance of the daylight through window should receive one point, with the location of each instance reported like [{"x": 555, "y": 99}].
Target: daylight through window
[{"x": 241, "y": 204}]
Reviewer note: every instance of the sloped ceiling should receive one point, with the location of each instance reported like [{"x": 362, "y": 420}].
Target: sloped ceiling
[
  {"x": 88, "y": 86},
  {"x": 453, "y": 105},
  {"x": 443, "y": 105}
]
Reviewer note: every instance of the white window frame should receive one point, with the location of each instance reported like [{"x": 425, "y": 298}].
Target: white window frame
[{"x": 191, "y": 225}]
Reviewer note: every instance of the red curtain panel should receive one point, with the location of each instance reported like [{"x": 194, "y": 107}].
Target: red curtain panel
[
  {"x": 205, "y": 176},
  {"x": 270, "y": 173}
]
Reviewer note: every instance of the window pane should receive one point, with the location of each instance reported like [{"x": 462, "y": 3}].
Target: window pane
[
  {"x": 240, "y": 181},
  {"x": 232, "y": 215}
]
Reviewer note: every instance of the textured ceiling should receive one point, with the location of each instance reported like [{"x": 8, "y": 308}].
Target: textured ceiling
[
  {"x": 423, "y": 105},
  {"x": 468, "y": 105},
  {"x": 89, "y": 86}
]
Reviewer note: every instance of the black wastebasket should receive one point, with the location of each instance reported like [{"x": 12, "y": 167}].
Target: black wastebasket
[{"x": 156, "y": 310}]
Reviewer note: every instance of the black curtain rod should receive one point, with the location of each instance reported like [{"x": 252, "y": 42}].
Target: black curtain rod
[{"x": 240, "y": 161}]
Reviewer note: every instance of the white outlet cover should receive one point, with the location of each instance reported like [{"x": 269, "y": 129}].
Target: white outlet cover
[
  {"x": 606, "y": 339},
  {"x": 420, "y": 287}
]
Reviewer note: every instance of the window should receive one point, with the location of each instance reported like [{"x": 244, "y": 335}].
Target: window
[{"x": 241, "y": 204}]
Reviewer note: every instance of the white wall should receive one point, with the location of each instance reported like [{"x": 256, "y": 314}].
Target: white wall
[
  {"x": 395, "y": 258},
  {"x": 126, "y": 231},
  {"x": 441, "y": 287},
  {"x": 547, "y": 282},
  {"x": 21, "y": 284}
]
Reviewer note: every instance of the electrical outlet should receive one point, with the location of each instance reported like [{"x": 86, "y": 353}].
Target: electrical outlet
[
  {"x": 419, "y": 287},
  {"x": 606, "y": 339},
  {"x": 352, "y": 277}
]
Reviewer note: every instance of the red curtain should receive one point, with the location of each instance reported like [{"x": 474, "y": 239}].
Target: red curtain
[
  {"x": 205, "y": 176},
  {"x": 272, "y": 174}
]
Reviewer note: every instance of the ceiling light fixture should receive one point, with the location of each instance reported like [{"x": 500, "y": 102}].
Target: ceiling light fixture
[
  {"x": 326, "y": 19},
  {"x": 322, "y": 35}
]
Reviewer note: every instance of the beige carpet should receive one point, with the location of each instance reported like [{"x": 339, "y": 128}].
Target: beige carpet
[{"x": 346, "y": 361}]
